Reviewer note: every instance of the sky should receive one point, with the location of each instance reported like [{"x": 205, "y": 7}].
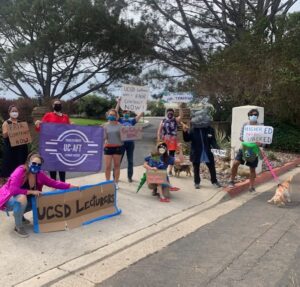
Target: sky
[{"x": 10, "y": 95}]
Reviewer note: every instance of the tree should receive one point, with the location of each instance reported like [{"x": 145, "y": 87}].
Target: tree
[
  {"x": 67, "y": 47},
  {"x": 187, "y": 32}
]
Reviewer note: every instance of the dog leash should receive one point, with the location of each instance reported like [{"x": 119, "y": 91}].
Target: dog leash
[{"x": 269, "y": 165}]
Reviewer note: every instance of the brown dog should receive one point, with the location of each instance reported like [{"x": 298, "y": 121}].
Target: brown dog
[
  {"x": 178, "y": 168},
  {"x": 282, "y": 195}
]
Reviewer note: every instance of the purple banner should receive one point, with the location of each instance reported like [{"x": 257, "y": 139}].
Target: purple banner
[{"x": 71, "y": 147}]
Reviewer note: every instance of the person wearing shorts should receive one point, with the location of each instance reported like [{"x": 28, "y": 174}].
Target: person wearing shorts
[
  {"x": 253, "y": 115},
  {"x": 113, "y": 146}
]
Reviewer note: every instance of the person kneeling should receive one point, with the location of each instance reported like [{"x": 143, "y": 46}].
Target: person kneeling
[
  {"x": 160, "y": 160},
  {"x": 26, "y": 181}
]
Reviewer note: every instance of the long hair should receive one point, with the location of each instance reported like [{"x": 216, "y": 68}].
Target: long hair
[
  {"x": 165, "y": 156},
  {"x": 29, "y": 157}
]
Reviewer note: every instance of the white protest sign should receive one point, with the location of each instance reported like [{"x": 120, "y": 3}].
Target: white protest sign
[
  {"x": 219, "y": 152},
  {"x": 134, "y": 98},
  {"x": 259, "y": 134},
  {"x": 178, "y": 97}
]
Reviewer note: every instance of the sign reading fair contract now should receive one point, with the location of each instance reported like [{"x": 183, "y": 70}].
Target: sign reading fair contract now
[
  {"x": 67, "y": 209},
  {"x": 134, "y": 98},
  {"x": 19, "y": 134},
  {"x": 71, "y": 147},
  {"x": 259, "y": 134}
]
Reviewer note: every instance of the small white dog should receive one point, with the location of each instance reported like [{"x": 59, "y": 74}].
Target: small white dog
[{"x": 282, "y": 194}]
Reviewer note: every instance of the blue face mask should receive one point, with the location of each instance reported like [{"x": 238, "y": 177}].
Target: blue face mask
[
  {"x": 126, "y": 116},
  {"x": 111, "y": 118},
  {"x": 253, "y": 118},
  {"x": 34, "y": 168}
]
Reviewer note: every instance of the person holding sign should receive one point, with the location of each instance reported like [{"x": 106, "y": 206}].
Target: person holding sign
[
  {"x": 247, "y": 155},
  {"x": 56, "y": 117},
  {"x": 160, "y": 160},
  {"x": 113, "y": 146},
  {"x": 13, "y": 156},
  {"x": 167, "y": 132},
  {"x": 27, "y": 180},
  {"x": 127, "y": 121}
]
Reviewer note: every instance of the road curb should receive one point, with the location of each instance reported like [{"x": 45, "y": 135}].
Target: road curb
[{"x": 262, "y": 178}]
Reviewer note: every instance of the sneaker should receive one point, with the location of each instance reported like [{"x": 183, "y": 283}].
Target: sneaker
[
  {"x": 170, "y": 173},
  {"x": 25, "y": 221},
  {"x": 164, "y": 199},
  {"x": 252, "y": 189},
  {"x": 173, "y": 188},
  {"x": 155, "y": 193},
  {"x": 130, "y": 180},
  {"x": 197, "y": 186},
  {"x": 217, "y": 184},
  {"x": 231, "y": 183},
  {"x": 117, "y": 186},
  {"x": 21, "y": 232}
]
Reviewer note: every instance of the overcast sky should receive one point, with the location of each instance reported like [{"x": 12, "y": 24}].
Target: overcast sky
[{"x": 7, "y": 94}]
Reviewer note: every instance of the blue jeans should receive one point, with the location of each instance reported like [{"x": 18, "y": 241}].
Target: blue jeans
[
  {"x": 129, "y": 149},
  {"x": 18, "y": 209}
]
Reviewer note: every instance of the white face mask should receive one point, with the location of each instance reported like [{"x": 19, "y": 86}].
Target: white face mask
[
  {"x": 161, "y": 150},
  {"x": 14, "y": 115}
]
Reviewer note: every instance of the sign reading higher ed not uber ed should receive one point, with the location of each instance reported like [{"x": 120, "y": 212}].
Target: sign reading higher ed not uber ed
[{"x": 258, "y": 134}]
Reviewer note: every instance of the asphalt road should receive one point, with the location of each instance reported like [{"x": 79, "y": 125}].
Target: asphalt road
[
  {"x": 257, "y": 245},
  {"x": 142, "y": 148}
]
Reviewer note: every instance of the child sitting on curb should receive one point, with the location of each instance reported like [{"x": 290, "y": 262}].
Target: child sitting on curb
[{"x": 160, "y": 160}]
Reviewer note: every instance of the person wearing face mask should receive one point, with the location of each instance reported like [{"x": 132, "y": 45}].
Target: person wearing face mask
[
  {"x": 126, "y": 120},
  {"x": 56, "y": 117},
  {"x": 113, "y": 146},
  {"x": 167, "y": 132},
  {"x": 12, "y": 156},
  {"x": 160, "y": 159},
  {"x": 253, "y": 115},
  {"x": 27, "y": 180}
]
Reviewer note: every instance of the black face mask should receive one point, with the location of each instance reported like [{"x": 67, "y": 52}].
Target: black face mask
[{"x": 57, "y": 107}]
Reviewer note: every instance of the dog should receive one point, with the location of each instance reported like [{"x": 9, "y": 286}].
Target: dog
[
  {"x": 282, "y": 194},
  {"x": 182, "y": 167}
]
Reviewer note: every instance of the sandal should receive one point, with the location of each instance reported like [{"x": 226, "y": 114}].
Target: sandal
[{"x": 164, "y": 199}]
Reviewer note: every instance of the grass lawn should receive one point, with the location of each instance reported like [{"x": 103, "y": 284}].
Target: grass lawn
[{"x": 86, "y": 122}]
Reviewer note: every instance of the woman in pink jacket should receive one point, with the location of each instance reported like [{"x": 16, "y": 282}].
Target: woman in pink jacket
[{"x": 27, "y": 180}]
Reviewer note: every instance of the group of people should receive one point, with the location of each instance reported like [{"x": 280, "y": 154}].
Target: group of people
[{"x": 24, "y": 177}]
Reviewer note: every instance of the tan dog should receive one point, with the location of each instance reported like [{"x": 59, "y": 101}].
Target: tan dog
[
  {"x": 282, "y": 194},
  {"x": 178, "y": 168}
]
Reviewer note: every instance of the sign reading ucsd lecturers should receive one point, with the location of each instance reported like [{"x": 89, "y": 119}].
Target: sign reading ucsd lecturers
[
  {"x": 67, "y": 209},
  {"x": 71, "y": 147},
  {"x": 134, "y": 98},
  {"x": 259, "y": 134}
]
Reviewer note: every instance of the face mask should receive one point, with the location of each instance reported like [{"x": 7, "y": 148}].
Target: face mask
[
  {"x": 34, "y": 168},
  {"x": 111, "y": 118},
  {"x": 14, "y": 115},
  {"x": 57, "y": 107},
  {"x": 253, "y": 118},
  {"x": 161, "y": 150},
  {"x": 126, "y": 116},
  {"x": 170, "y": 115}
]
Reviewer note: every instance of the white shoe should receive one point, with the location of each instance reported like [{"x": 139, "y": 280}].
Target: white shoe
[{"x": 117, "y": 186}]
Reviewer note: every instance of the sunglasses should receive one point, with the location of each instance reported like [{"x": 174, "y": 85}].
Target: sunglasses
[
  {"x": 36, "y": 164},
  {"x": 254, "y": 115}
]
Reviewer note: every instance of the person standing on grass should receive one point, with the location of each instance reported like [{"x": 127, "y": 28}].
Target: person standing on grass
[
  {"x": 56, "y": 117},
  {"x": 12, "y": 156},
  {"x": 252, "y": 162},
  {"x": 167, "y": 132},
  {"x": 113, "y": 146},
  {"x": 129, "y": 145}
]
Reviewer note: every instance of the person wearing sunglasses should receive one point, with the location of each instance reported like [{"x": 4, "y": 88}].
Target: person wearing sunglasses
[
  {"x": 26, "y": 181},
  {"x": 252, "y": 162}
]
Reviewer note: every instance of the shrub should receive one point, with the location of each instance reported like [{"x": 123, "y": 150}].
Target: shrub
[
  {"x": 157, "y": 109},
  {"x": 286, "y": 137}
]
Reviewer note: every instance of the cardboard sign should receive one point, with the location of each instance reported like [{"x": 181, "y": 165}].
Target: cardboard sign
[
  {"x": 19, "y": 134},
  {"x": 178, "y": 97},
  {"x": 71, "y": 147},
  {"x": 259, "y": 134},
  {"x": 156, "y": 176},
  {"x": 134, "y": 98},
  {"x": 67, "y": 209},
  {"x": 131, "y": 133},
  {"x": 219, "y": 152}
]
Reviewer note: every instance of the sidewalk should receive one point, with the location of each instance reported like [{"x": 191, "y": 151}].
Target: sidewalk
[{"x": 46, "y": 257}]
